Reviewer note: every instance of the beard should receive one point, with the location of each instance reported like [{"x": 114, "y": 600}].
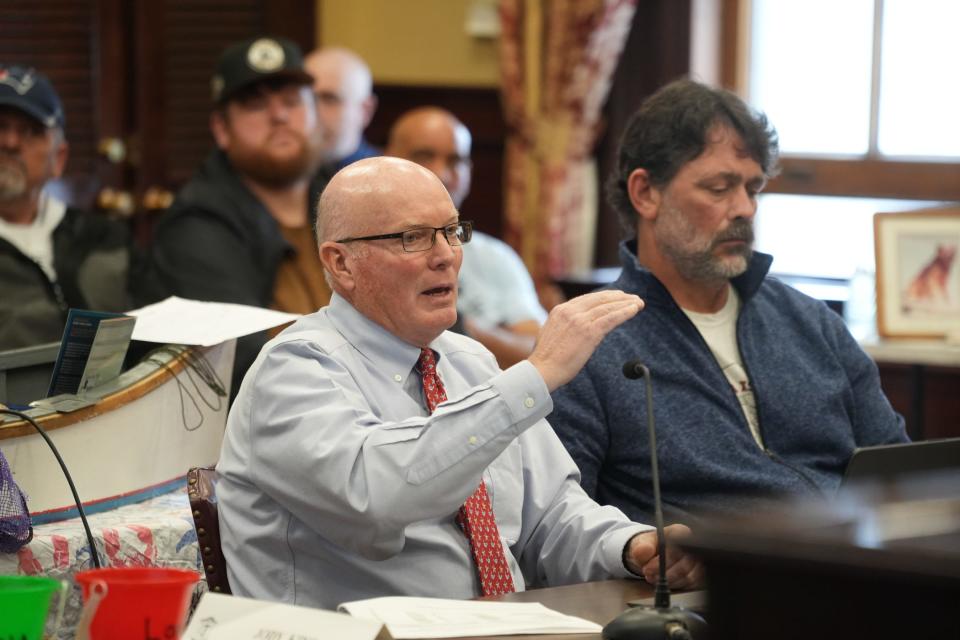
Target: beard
[
  {"x": 267, "y": 168},
  {"x": 13, "y": 177},
  {"x": 693, "y": 254}
]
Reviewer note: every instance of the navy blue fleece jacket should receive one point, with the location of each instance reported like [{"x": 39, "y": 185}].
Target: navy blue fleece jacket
[{"x": 818, "y": 397}]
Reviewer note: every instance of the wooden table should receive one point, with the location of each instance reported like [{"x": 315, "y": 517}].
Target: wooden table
[{"x": 879, "y": 562}]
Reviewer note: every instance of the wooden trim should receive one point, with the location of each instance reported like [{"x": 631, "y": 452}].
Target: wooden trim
[
  {"x": 110, "y": 403},
  {"x": 868, "y": 178},
  {"x": 729, "y": 42}
]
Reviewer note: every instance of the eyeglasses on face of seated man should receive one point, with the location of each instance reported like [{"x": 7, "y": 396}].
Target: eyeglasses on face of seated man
[{"x": 423, "y": 238}]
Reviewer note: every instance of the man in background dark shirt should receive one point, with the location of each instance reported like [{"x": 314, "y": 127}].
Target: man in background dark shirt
[{"x": 241, "y": 229}]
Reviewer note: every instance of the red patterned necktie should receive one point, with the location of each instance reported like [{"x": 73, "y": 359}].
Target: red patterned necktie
[{"x": 475, "y": 517}]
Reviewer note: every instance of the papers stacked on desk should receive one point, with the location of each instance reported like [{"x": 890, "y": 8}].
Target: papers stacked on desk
[
  {"x": 439, "y": 618},
  {"x": 222, "y": 617}
]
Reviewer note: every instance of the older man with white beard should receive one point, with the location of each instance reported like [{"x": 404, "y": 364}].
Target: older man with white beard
[
  {"x": 759, "y": 391},
  {"x": 52, "y": 257},
  {"x": 242, "y": 229}
]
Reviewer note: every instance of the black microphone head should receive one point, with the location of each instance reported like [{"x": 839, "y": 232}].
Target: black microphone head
[
  {"x": 633, "y": 369},
  {"x": 649, "y": 623}
]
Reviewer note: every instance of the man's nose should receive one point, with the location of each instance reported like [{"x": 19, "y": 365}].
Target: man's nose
[
  {"x": 279, "y": 111},
  {"x": 442, "y": 250},
  {"x": 745, "y": 204},
  {"x": 10, "y": 137}
]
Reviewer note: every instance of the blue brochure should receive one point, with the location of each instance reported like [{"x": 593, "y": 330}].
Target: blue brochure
[{"x": 92, "y": 350}]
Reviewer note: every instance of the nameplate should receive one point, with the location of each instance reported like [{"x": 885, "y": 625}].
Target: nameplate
[{"x": 222, "y": 617}]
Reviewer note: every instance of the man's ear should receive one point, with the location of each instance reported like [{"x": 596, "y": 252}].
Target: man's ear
[
  {"x": 644, "y": 197},
  {"x": 60, "y": 158},
  {"x": 337, "y": 261},
  {"x": 369, "y": 108},
  {"x": 218, "y": 127}
]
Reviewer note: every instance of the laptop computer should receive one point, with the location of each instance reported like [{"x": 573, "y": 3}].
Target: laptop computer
[{"x": 890, "y": 460}]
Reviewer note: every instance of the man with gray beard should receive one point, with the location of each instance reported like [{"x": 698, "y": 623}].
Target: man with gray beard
[
  {"x": 759, "y": 390},
  {"x": 52, "y": 256},
  {"x": 241, "y": 230}
]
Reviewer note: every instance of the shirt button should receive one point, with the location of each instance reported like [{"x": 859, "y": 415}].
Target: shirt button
[
  {"x": 472, "y": 439},
  {"x": 398, "y": 377},
  {"x": 528, "y": 402}
]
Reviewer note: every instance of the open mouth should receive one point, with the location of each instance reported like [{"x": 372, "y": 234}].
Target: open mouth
[{"x": 438, "y": 291}]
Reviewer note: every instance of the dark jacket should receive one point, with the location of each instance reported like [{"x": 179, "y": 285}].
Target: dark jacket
[
  {"x": 818, "y": 397},
  {"x": 218, "y": 243},
  {"x": 92, "y": 257}
]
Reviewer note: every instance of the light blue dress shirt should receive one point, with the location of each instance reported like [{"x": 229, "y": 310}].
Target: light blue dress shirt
[{"x": 336, "y": 483}]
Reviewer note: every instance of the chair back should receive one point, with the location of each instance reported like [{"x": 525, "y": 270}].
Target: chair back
[{"x": 201, "y": 488}]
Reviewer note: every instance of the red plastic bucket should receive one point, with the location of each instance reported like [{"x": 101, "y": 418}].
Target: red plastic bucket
[{"x": 135, "y": 602}]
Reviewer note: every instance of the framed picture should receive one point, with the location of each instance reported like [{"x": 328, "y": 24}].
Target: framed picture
[{"x": 918, "y": 272}]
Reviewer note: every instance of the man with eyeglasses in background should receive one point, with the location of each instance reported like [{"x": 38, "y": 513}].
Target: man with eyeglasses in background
[
  {"x": 371, "y": 452},
  {"x": 241, "y": 230}
]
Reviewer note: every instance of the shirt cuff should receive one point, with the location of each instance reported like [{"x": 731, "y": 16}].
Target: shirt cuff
[
  {"x": 617, "y": 546},
  {"x": 524, "y": 392}
]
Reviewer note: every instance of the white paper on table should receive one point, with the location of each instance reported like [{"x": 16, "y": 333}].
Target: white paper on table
[
  {"x": 441, "y": 618},
  {"x": 192, "y": 322},
  {"x": 222, "y": 617}
]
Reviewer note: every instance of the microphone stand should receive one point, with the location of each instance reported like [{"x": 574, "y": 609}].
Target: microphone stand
[{"x": 661, "y": 620}]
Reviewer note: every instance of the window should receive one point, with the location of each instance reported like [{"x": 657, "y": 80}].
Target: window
[{"x": 864, "y": 96}]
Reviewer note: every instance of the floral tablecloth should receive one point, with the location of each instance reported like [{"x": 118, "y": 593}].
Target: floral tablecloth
[{"x": 155, "y": 533}]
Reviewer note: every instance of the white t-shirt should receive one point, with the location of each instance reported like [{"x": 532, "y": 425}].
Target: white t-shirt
[
  {"x": 495, "y": 286},
  {"x": 35, "y": 240},
  {"x": 719, "y": 330}
]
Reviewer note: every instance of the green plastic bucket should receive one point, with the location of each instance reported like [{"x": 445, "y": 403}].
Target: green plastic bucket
[{"x": 24, "y": 604}]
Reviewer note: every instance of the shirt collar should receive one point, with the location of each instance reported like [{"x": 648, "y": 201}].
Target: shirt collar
[
  {"x": 638, "y": 279},
  {"x": 388, "y": 352}
]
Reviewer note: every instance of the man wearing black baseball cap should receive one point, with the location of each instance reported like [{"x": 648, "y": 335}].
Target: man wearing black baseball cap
[
  {"x": 52, "y": 257},
  {"x": 241, "y": 229}
]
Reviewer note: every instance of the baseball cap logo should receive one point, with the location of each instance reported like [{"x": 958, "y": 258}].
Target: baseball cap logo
[
  {"x": 20, "y": 85},
  {"x": 265, "y": 55}
]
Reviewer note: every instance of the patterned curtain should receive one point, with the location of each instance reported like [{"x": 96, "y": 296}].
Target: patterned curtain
[{"x": 557, "y": 59}]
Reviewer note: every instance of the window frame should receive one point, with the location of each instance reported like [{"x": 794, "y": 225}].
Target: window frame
[{"x": 870, "y": 175}]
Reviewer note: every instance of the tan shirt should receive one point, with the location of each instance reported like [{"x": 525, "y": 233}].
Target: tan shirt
[{"x": 299, "y": 286}]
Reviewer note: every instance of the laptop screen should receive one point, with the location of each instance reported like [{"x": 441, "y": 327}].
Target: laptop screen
[{"x": 890, "y": 460}]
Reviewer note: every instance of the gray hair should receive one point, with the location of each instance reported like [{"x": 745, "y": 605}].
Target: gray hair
[{"x": 670, "y": 129}]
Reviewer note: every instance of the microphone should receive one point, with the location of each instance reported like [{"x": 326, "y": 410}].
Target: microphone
[{"x": 661, "y": 620}]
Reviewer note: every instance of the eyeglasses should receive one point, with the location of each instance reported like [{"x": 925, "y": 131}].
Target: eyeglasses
[{"x": 423, "y": 238}]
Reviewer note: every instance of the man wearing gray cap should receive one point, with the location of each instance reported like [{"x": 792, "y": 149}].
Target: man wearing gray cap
[
  {"x": 241, "y": 229},
  {"x": 52, "y": 257}
]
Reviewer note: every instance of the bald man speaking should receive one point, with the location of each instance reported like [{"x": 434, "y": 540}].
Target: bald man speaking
[
  {"x": 371, "y": 452},
  {"x": 498, "y": 302}
]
